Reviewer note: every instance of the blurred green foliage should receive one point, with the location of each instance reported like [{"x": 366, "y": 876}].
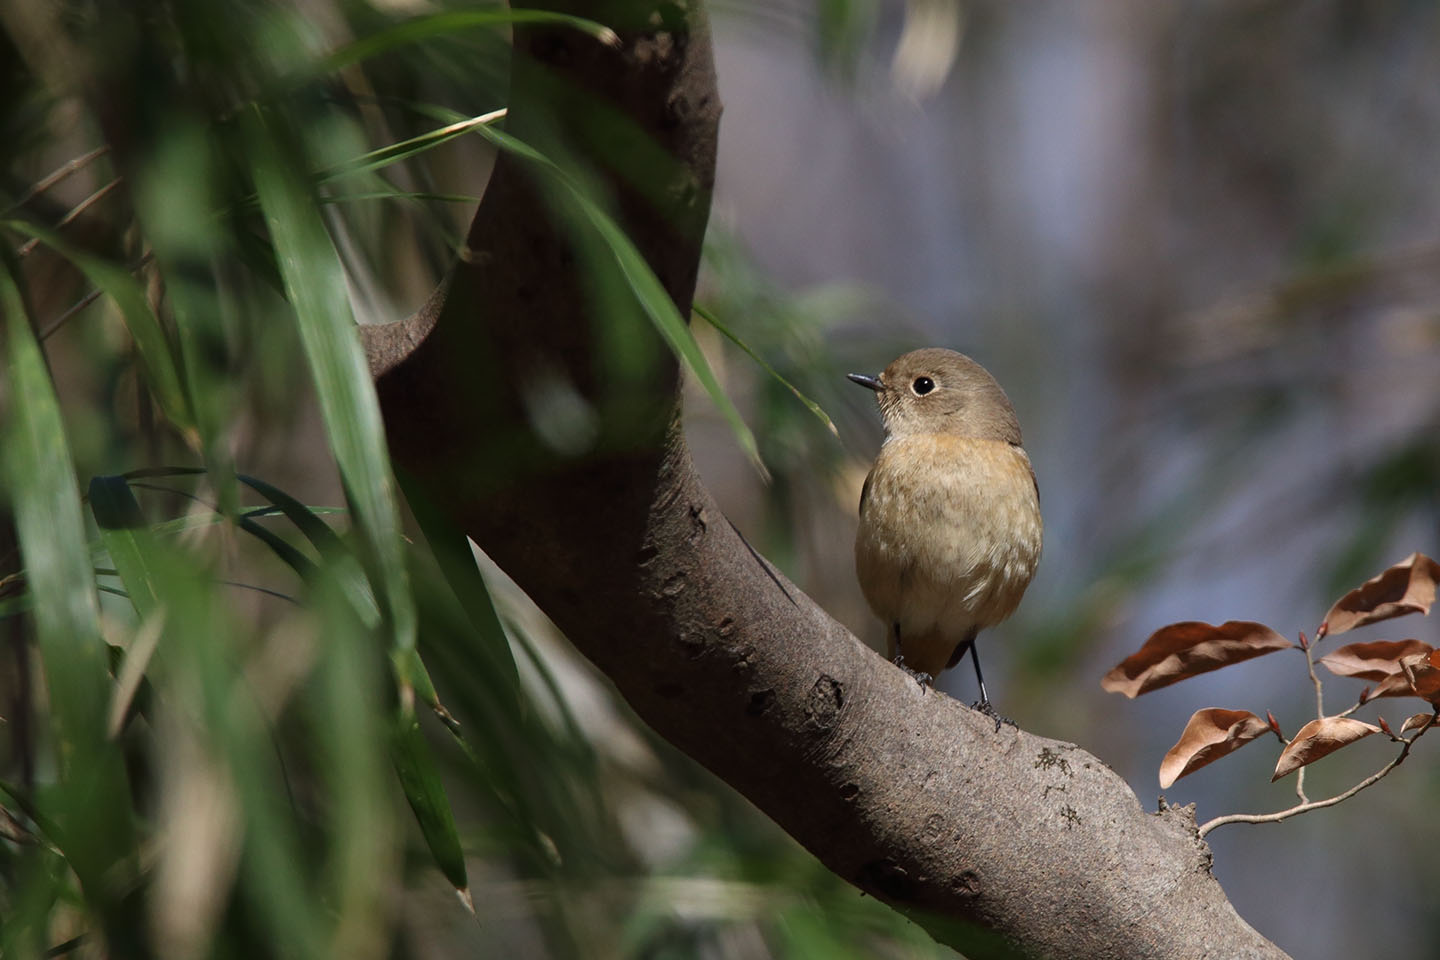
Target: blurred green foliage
[{"x": 239, "y": 720}]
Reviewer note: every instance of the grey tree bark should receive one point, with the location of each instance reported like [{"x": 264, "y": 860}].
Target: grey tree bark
[{"x": 999, "y": 843}]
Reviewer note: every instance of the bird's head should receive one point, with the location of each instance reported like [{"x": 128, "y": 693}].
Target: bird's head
[{"x": 940, "y": 391}]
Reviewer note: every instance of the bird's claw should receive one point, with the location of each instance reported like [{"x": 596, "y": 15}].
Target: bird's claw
[
  {"x": 987, "y": 708},
  {"x": 919, "y": 676}
]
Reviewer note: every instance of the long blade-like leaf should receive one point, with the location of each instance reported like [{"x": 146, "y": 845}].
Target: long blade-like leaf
[
  {"x": 405, "y": 149},
  {"x": 709, "y": 317},
  {"x": 646, "y": 286},
  {"x": 92, "y": 803},
  {"x": 454, "y": 21},
  {"x": 420, "y": 780},
  {"x": 122, "y": 526},
  {"x": 314, "y": 281},
  {"x": 150, "y": 340},
  {"x": 452, "y": 552},
  {"x": 351, "y": 582},
  {"x": 643, "y": 283}
]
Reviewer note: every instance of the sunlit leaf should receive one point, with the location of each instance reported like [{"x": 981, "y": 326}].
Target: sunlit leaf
[
  {"x": 1374, "y": 660},
  {"x": 1186, "y": 649},
  {"x": 1209, "y": 735},
  {"x": 405, "y": 149},
  {"x": 1320, "y": 738},
  {"x": 1406, "y": 587},
  {"x": 1418, "y": 721},
  {"x": 1418, "y": 676}
]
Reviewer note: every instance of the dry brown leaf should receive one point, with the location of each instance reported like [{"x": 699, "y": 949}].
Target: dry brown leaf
[
  {"x": 1407, "y": 587},
  {"x": 1183, "y": 650},
  {"x": 1417, "y": 721},
  {"x": 1423, "y": 670},
  {"x": 1395, "y": 685},
  {"x": 1419, "y": 676},
  {"x": 1211, "y": 734},
  {"x": 1375, "y": 660},
  {"x": 1319, "y": 738}
]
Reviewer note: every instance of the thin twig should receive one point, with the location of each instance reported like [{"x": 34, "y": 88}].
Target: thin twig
[
  {"x": 1305, "y": 648},
  {"x": 1300, "y": 808},
  {"x": 59, "y": 321},
  {"x": 1352, "y": 708},
  {"x": 1315, "y": 679},
  {"x": 74, "y": 943},
  {"x": 56, "y": 175},
  {"x": 258, "y": 589},
  {"x": 86, "y": 300},
  {"x": 70, "y": 215},
  {"x": 1307, "y": 807}
]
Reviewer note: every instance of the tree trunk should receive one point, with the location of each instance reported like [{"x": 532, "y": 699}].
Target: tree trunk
[{"x": 997, "y": 842}]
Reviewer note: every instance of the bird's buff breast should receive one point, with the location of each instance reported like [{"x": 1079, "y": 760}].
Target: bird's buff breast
[{"x": 950, "y": 533}]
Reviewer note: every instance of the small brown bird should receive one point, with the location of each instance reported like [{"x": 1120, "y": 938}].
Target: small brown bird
[{"x": 950, "y": 526}]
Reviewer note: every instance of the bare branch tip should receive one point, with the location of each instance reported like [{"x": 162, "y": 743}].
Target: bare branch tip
[{"x": 1275, "y": 726}]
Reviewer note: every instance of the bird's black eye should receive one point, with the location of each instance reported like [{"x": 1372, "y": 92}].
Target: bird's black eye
[{"x": 922, "y": 386}]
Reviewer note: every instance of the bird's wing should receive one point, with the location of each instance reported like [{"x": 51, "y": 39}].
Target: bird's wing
[{"x": 1023, "y": 455}]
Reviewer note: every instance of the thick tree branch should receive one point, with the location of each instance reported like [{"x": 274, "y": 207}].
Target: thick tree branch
[{"x": 993, "y": 840}]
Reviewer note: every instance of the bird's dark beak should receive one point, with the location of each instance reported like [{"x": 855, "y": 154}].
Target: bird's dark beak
[{"x": 872, "y": 382}]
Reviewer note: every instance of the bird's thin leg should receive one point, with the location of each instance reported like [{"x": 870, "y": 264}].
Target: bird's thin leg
[
  {"x": 985, "y": 706},
  {"x": 919, "y": 676},
  {"x": 980, "y": 679}
]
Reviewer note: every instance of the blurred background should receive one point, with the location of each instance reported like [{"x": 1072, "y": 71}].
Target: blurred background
[{"x": 1197, "y": 243}]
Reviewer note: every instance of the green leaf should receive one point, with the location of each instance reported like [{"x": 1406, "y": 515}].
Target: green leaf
[
  {"x": 351, "y": 727},
  {"x": 451, "y": 549},
  {"x": 314, "y": 281},
  {"x": 714, "y": 321},
  {"x": 405, "y": 149},
  {"x": 451, "y": 22},
  {"x": 662, "y": 312},
  {"x": 91, "y": 804},
  {"x": 16, "y": 605},
  {"x": 129, "y": 297},
  {"x": 647, "y": 288},
  {"x": 402, "y": 195},
  {"x": 52, "y": 537},
  {"x": 122, "y": 526},
  {"x": 317, "y": 531},
  {"x": 350, "y": 580},
  {"x": 420, "y": 780},
  {"x": 347, "y": 574},
  {"x": 292, "y": 558}
]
